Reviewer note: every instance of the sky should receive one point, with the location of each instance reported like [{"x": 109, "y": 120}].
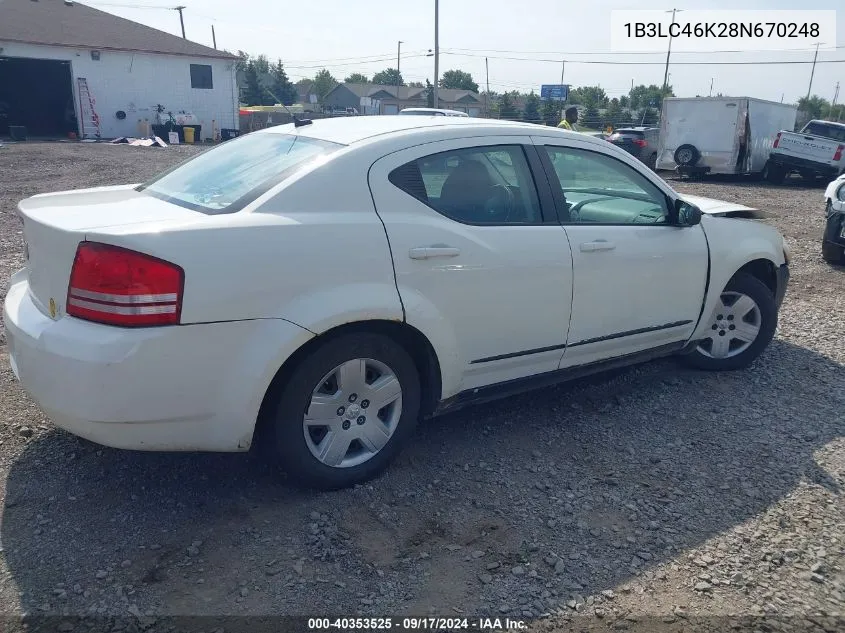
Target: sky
[{"x": 346, "y": 36}]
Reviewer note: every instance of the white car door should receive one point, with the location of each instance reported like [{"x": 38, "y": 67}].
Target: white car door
[
  {"x": 639, "y": 279},
  {"x": 482, "y": 265}
]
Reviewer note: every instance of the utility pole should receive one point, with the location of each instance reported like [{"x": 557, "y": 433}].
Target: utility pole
[
  {"x": 181, "y": 20},
  {"x": 813, "y": 71},
  {"x": 213, "y": 37},
  {"x": 398, "y": 60},
  {"x": 562, "y": 68},
  {"x": 833, "y": 103},
  {"x": 436, "y": 50},
  {"x": 487, "y": 94},
  {"x": 668, "y": 53},
  {"x": 711, "y": 86}
]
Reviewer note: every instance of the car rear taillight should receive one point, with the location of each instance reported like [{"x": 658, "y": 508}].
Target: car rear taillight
[
  {"x": 117, "y": 286},
  {"x": 640, "y": 142},
  {"x": 777, "y": 141},
  {"x": 838, "y": 154}
]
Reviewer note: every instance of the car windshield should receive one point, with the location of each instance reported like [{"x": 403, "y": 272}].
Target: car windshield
[
  {"x": 826, "y": 130},
  {"x": 224, "y": 179}
]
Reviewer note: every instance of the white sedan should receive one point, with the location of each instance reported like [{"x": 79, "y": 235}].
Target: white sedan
[{"x": 317, "y": 288}]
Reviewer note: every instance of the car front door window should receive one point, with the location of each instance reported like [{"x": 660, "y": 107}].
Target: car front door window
[{"x": 599, "y": 189}]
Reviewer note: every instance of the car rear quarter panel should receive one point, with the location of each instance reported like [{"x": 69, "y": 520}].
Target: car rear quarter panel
[
  {"x": 733, "y": 243},
  {"x": 311, "y": 251}
]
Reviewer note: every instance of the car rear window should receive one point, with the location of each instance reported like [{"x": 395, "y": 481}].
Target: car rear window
[
  {"x": 226, "y": 178},
  {"x": 638, "y": 133},
  {"x": 818, "y": 128}
]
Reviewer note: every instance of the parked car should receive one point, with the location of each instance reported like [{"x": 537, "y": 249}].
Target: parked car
[
  {"x": 720, "y": 135},
  {"x": 640, "y": 142},
  {"x": 833, "y": 239},
  {"x": 317, "y": 287},
  {"x": 818, "y": 150},
  {"x": 602, "y": 136},
  {"x": 432, "y": 112}
]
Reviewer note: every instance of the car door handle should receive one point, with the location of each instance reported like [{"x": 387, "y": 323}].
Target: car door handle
[
  {"x": 597, "y": 245},
  {"x": 428, "y": 252}
]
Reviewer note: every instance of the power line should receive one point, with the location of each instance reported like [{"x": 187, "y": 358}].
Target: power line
[
  {"x": 357, "y": 63},
  {"x": 128, "y": 6},
  {"x": 616, "y": 63},
  {"x": 781, "y": 50}
]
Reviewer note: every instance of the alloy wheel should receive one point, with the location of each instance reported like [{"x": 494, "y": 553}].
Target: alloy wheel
[
  {"x": 734, "y": 326},
  {"x": 353, "y": 412}
]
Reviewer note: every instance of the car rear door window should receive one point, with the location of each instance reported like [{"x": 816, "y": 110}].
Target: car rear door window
[
  {"x": 489, "y": 185},
  {"x": 599, "y": 189}
]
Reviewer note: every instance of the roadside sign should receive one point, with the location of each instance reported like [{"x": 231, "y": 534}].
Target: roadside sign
[{"x": 557, "y": 92}]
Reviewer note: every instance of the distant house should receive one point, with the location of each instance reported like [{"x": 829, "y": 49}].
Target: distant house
[
  {"x": 305, "y": 91},
  {"x": 69, "y": 68},
  {"x": 377, "y": 99}
]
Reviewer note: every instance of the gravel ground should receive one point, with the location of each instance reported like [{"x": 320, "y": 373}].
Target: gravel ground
[{"x": 656, "y": 497}]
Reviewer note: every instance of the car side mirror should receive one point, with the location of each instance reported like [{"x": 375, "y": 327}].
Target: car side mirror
[{"x": 686, "y": 214}]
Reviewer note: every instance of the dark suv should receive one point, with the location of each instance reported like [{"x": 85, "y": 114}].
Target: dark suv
[{"x": 641, "y": 142}]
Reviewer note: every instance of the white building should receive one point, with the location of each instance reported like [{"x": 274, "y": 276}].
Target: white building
[{"x": 48, "y": 46}]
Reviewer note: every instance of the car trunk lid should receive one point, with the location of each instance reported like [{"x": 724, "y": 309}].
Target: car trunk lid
[{"x": 54, "y": 225}]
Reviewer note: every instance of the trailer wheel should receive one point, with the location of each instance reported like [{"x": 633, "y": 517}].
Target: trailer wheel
[
  {"x": 774, "y": 173},
  {"x": 687, "y": 155}
]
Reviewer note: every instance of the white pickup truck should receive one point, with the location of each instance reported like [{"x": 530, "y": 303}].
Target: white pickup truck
[{"x": 817, "y": 150}]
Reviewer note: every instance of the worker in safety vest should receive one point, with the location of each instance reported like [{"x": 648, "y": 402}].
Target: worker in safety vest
[{"x": 570, "y": 119}]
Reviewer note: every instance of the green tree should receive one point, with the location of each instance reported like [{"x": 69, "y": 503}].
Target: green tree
[
  {"x": 592, "y": 96},
  {"x": 323, "y": 83},
  {"x": 648, "y": 96},
  {"x": 624, "y": 101},
  {"x": 532, "y": 108},
  {"x": 613, "y": 113},
  {"x": 815, "y": 107},
  {"x": 551, "y": 112},
  {"x": 590, "y": 118},
  {"x": 253, "y": 93},
  {"x": 282, "y": 88},
  {"x": 507, "y": 109},
  {"x": 648, "y": 116},
  {"x": 262, "y": 64},
  {"x": 357, "y": 78},
  {"x": 458, "y": 80},
  {"x": 243, "y": 60},
  {"x": 429, "y": 94},
  {"x": 388, "y": 77}
]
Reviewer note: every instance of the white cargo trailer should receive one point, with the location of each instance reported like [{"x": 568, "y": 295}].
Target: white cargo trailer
[{"x": 720, "y": 135}]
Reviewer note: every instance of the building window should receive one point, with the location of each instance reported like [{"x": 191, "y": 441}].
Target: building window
[{"x": 201, "y": 76}]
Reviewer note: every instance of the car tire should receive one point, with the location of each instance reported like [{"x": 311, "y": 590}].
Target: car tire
[
  {"x": 652, "y": 161},
  {"x": 833, "y": 253},
  {"x": 687, "y": 154},
  {"x": 317, "y": 382},
  {"x": 773, "y": 173},
  {"x": 738, "y": 296}
]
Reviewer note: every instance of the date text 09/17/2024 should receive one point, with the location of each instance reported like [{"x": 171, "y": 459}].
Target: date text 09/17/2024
[{"x": 415, "y": 624}]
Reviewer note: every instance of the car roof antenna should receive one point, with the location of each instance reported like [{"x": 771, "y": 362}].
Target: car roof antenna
[{"x": 296, "y": 122}]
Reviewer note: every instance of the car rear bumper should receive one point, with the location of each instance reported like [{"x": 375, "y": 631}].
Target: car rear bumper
[
  {"x": 794, "y": 162},
  {"x": 178, "y": 388},
  {"x": 782, "y": 274}
]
